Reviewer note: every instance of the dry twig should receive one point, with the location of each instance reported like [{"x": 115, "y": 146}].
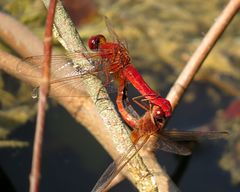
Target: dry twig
[
  {"x": 201, "y": 53},
  {"x": 43, "y": 93},
  {"x": 195, "y": 62}
]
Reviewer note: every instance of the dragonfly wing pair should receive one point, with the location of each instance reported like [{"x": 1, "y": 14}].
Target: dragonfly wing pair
[
  {"x": 115, "y": 167},
  {"x": 66, "y": 77},
  {"x": 168, "y": 139}
]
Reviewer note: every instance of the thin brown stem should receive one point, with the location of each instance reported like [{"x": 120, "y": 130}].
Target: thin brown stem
[
  {"x": 193, "y": 65},
  {"x": 198, "y": 57},
  {"x": 78, "y": 107},
  {"x": 43, "y": 92}
]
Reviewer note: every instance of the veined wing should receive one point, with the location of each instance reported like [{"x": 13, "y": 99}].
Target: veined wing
[
  {"x": 113, "y": 34},
  {"x": 115, "y": 167},
  {"x": 64, "y": 73},
  {"x": 170, "y": 146},
  {"x": 179, "y": 135},
  {"x": 62, "y": 65},
  {"x": 168, "y": 139}
]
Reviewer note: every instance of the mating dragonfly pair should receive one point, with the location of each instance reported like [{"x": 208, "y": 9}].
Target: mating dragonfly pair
[{"x": 111, "y": 59}]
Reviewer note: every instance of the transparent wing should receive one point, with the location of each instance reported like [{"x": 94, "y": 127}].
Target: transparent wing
[
  {"x": 113, "y": 34},
  {"x": 178, "y": 135},
  {"x": 115, "y": 167},
  {"x": 62, "y": 65},
  {"x": 170, "y": 146},
  {"x": 168, "y": 139},
  {"x": 64, "y": 73}
]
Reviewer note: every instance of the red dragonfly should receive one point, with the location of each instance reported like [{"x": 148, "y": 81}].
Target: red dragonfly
[
  {"x": 109, "y": 59},
  {"x": 151, "y": 124}
]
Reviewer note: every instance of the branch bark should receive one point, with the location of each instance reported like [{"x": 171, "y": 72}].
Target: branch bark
[
  {"x": 68, "y": 36},
  {"x": 114, "y": 135}
]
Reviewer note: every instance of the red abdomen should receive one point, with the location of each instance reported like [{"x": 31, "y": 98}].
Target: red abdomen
[{"x": 138, "y": 82}]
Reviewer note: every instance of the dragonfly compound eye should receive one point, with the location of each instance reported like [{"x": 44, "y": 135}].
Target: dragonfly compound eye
[
  {"x": 158, "y": 114},
  {"x": 94, "y": 42}
]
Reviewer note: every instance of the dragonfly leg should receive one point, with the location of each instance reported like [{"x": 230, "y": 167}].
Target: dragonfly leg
[
  {"x": 102, "y": 89},
  {"x": 139, "y": 101},
  {"x": 153, "y": 96}
]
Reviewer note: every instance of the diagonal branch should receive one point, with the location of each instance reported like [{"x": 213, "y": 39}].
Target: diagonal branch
[
  {"x": 80, "y": 108},
  {"x": 113, "y": 126}
]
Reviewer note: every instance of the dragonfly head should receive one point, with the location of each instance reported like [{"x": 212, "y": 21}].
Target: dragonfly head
[
  {"x": 94, "y": 42},
  {"x": 161, "y": 107},
  {"x": 158, "y": 115}
]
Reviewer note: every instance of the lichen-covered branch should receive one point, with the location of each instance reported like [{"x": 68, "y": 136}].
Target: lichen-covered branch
[
  {"x": 114, "y": 127},
  {"x": 81, "y": 108}
]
